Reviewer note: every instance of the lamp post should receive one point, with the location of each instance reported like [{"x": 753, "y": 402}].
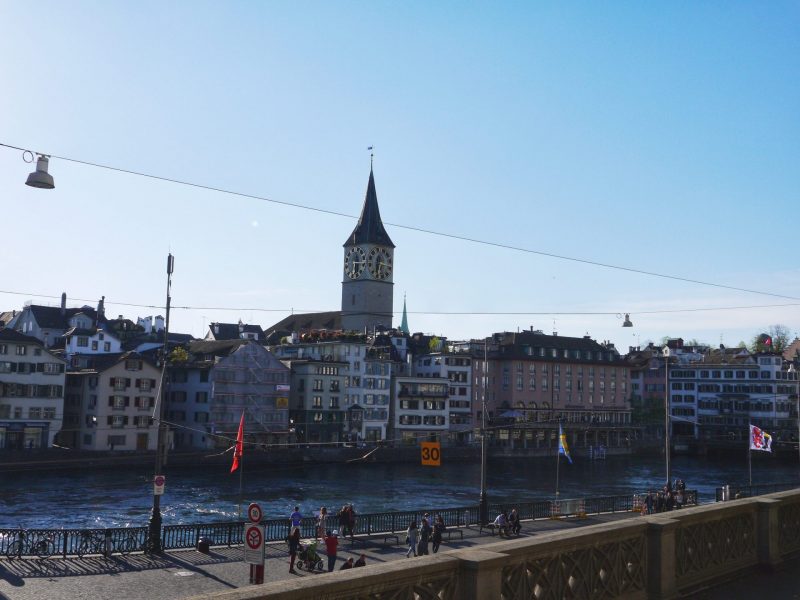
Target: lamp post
[
  {"x": 796, "y": 376},
  {"x": 483, "y": 507},
  {"x": 666, "y": 417},
  {"x": 154, "y": 527}
]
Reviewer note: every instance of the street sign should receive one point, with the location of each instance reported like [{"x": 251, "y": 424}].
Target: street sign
[
  {"x": 431, "y": 454},
  {"x": 254, "y": 513},
  {"x": 254, "y": 544},
  {"x": 158, "y": 485}
]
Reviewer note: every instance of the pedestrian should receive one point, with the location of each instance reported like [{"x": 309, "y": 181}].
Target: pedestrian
[
  {"x": 424, "y": 538},
  {"x": 296, "y": 518},
  {"x": 344, "y": 519},
  {"x": 322, "y": 522},
  {"x": 513, "y": 519},
  {"x": 331, "y": 545},
  {"x": 294, "y": 546},
  {"x": 362, "y": 561},
  {"x": 649, "y": 502},
  {"x": 438, "y": 530},
  {"x": 411, "y": 539},
  {"x": 351, "y": 521},
  {"x": 348, "y": 564}
]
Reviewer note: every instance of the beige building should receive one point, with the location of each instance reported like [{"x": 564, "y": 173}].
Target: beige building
[
  {"x": 31, "y": 392},
  {"x": 110, "y": 402}
]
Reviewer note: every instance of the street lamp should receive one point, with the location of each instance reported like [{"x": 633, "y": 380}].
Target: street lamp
[
  {"x": 796, "y": 376},
  {"x": 40, "y": 178},
  {"x": 154, "y": 527}
]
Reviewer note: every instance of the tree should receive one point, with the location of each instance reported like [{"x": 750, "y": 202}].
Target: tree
[
  {"x": 775, "y": 340},
  {"x": 178, "y": 355}
]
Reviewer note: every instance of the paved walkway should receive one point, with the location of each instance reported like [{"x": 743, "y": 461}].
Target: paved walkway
[
  {"x": 181, "y": 574},
  {"x": 185, "y": 573}
]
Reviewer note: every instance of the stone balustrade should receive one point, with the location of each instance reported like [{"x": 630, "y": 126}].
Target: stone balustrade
[{"x": 659, "y": 556}]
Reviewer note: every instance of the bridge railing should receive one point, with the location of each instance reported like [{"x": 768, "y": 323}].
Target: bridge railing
[
  {"x": 735, "y": 492},
  {"x": 71, "y": 542}
]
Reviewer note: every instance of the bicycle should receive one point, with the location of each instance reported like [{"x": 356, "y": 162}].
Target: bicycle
[
  {"x": 93, "y": 542},
  {"x": 130, "y": 543},
  {"x": 44, "y": 546}
]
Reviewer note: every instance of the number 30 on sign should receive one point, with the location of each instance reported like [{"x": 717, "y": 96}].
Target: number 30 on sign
[{"x": 431, "y": 454}]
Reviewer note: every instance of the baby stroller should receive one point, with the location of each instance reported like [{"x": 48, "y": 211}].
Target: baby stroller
[{"x": 308, "y": 558}]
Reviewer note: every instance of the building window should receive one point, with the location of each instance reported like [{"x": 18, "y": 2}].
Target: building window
[
  {"x": 316, "y": 402},
  {"x": 22, "y": 350},
  {"x": 83, "y": 341}
]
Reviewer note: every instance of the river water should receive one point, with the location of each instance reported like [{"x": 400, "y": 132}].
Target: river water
[{"x": 116, "y": 498}]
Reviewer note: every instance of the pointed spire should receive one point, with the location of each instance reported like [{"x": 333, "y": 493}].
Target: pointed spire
[
  {"x": 369, "y": 229},
  {"x": 404, "y": 322}
]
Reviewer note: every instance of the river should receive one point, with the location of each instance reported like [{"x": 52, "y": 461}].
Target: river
[{"x": 123, "y": 497}]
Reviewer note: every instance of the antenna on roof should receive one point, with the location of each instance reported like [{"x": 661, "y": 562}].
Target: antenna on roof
[{"x": 371, "y": 156}]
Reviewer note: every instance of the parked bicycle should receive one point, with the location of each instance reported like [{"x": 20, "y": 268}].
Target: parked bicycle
[
  {"x": 94, "y": 542},
  {"x": 131, "y": 543},
  {"x": 42, "y": 546}
]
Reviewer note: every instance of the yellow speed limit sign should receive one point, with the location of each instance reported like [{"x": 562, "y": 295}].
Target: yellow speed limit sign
[{"x": 431, "y": 454}]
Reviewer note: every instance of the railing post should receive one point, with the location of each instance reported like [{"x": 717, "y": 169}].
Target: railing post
[
  {"x": 767, "y": 532},
  {"x": 481, "y": 574},
  {"x": 661, "y": 566}
]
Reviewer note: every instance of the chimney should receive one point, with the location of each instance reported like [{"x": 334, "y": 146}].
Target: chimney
[{"x": 63, "y": 303}]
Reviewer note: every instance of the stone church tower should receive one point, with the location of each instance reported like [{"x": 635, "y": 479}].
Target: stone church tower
[{"x": 367, "y": 286}]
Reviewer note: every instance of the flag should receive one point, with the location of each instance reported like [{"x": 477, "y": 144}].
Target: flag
[
  {"x": 562, "y": 444},
  {"x": 760, "y": 439},
  {"x": 237, "y": 451},
  {"x": 768, "y": 341}
]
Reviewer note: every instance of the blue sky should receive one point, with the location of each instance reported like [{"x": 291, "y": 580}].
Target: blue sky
[{"x": 661, "y": 138}]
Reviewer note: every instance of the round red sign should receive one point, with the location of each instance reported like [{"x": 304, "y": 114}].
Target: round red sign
[
  {"x": 254, "y": 539},
  {"x": 254, "y": 512}
]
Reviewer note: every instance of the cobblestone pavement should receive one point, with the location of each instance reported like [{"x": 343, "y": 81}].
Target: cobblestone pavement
[{"x": 185, "y": 573}]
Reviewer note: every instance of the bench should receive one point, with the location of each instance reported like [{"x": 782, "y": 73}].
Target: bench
[
  {"x": 364, "y": 538},
  {"x": 495, "y": 528},
  {"x": 450, "y": 532}
]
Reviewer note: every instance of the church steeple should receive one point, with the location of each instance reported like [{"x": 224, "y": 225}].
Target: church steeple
[
  {"x": 404, "y": 322},
  {"x": 369, "y": 229}
]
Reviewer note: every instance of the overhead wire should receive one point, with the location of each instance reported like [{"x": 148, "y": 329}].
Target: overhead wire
[
  {"x": 417, "y": 229},
  {"x": 108, "y": 301}
]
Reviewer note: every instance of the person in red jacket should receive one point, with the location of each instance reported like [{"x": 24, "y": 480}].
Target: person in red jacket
[{"x": 331, "y": 545}]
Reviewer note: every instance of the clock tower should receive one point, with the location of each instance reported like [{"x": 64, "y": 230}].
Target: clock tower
[{"x": 367, "y": 285}]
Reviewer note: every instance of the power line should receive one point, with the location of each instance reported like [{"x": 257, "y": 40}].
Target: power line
[
  {"x": 453, "y": 236},
  {"x": 300, "y": 311}
]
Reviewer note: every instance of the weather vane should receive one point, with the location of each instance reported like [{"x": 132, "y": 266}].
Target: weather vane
[{"x": 371, "y": 155}]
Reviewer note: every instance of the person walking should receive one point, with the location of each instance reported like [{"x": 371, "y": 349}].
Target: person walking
[
  {"x": 331, "y": 545},
  {"x": 294, "y": 546},
  {"x": 438, "y": 530},
  {"x": 344, "y": 519},
  {"x": 322, "y": 523},
  {"x": 296, "y": 519},
  {"x": 351, "y": 521},
  {"x": 424, "y": 538},
  {"x": 411, "y": 539},
  {"x": 513, "y": 519}
]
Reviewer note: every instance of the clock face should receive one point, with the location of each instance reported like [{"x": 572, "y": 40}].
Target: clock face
[
  {"x": 354, "y": 262},
  {"x": 379, "y": 263}
]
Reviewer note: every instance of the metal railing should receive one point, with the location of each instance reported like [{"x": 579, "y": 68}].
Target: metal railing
[
  {"x": 734, "y": 492},
  {"x": 70, "y": 542}
]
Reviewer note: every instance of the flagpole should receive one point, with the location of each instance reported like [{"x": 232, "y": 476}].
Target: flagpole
[
  {"x": 241, "y": 470},
  {"x": 558, "y": 456},
  {"x": 750, "y": 464}
]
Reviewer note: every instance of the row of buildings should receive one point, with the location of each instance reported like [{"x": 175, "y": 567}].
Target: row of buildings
[{"x": 72, "y": 377}]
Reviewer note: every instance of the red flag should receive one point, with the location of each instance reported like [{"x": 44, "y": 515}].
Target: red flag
[{"x": 237, "y": 451}]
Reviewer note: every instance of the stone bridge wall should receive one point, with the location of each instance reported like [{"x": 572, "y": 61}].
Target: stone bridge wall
[{"x": 659, "y": 556}]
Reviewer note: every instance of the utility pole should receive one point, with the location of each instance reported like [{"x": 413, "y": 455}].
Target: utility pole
[
  {"x": 154, "y": 527},
  {"x": 483, "y": 506}
]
